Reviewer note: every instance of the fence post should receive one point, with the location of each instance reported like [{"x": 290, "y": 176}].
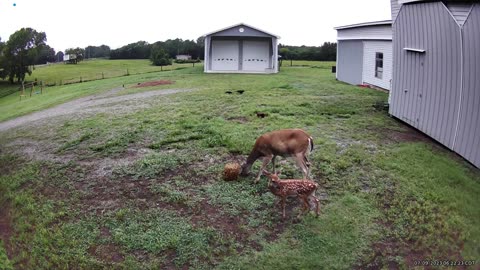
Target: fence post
[{"x": 103, "y": 76}]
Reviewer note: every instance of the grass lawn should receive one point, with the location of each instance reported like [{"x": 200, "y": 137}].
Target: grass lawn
[
  {"x": 139, "y": 186},
  {"x": 59, "y": 74}
]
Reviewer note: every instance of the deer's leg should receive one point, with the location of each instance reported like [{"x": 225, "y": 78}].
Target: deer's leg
[
  {"x": 265, "y": 161},
  {"x": 317, "y": 204},
  {"x": 300, "y": 158},
  {"x": 273, "y": 164},
  {"x": 305, "y": 205},
  {"x": 283, "y": 206}
]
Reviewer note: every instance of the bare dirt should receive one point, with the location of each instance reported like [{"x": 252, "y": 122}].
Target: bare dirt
[
  {"x": 154, "y": 83},
  {"x": 105, "y": 102}
]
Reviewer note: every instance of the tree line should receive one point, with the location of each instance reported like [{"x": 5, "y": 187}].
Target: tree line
[
  {"x": 173, "y": 47},
  {"x": 326, "y": 52}
]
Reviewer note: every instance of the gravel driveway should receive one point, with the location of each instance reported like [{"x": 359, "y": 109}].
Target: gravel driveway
[{"x": 104, "y": 102}]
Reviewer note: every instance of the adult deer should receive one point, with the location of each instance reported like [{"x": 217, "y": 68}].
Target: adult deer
[{"x": 285, "y": 142}]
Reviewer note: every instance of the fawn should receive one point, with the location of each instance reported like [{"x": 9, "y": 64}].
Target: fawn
[{"x": 302, "y": 189}]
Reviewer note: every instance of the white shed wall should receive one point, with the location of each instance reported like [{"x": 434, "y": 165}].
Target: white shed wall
[
  {"x": 378, "y": 32},
  {"x": 370, "y": 48}
]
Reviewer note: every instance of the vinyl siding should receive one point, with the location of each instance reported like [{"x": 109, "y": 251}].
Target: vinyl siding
[
  {"x": 376, "y": 32},
  {"x": 350, "y": 61},
  {"x": 369, "y": 51},
  {"x": 426, "y": 86},
  {"x": 459, "y": 11},
  {"x": 395, "y": 7},
  {"x": 467, "y": 142}
]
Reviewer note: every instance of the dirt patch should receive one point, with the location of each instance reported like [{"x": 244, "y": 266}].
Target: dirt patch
[
  {"x": 153, "y": 83},
  {"x": 407, "y": 135},
  {"x": 106, "y": 252},
  {"x": 238, "y": 119}
]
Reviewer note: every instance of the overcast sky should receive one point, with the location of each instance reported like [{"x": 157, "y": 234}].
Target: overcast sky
[{"x": 117, "y": 23}]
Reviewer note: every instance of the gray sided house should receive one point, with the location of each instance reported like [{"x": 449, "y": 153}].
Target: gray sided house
[
  {"x": 364, "y": 54},
  {"x": 436, "y": 71},
  {"x": 241, "y": 49}
]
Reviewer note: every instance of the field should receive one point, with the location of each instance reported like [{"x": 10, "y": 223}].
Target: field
[
  {"x": 130, "y": 177},
  {"x": 89, "y": 70}
]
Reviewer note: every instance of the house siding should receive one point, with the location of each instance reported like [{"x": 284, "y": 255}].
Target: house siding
[
  {"x": 369, "y": 51},
  {"x": 467, "y": 142},
  {"x": 350, "y": 61},
  {"x": 376, "y": 32}
]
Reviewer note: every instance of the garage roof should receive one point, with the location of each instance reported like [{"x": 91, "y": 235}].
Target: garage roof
[{"x": 227, "y": 31}]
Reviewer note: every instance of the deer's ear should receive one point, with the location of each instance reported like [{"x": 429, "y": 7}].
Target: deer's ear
[{"x": 279, "y": 172}]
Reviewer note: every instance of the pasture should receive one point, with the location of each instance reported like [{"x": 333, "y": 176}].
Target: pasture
[{"x": 134, "y": 181}]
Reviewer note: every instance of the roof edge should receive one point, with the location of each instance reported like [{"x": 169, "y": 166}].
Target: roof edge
[
  {"x": 385, "y": 22},
  {"x": 238, "y": 24}
]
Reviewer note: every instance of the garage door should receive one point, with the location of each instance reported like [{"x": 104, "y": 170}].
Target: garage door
[
  {"x": 225, "y": 55},
  {"x": 255, "y": 55}
]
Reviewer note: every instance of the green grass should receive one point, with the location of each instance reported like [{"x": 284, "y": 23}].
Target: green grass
[
  {"x": 59, "y": 75},
  {"x": 144, "y": 189}
]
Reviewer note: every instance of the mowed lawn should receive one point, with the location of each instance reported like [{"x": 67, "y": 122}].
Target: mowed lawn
[
  {"x": 139, "y": 185},
  {"x": 95, "y": 69}
]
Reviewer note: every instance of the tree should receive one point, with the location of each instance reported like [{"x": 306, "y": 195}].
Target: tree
[
  {"x": 137, "y": 50},
  {"x": 97, "y": 51},
  {"x": 159, "y": 57},
  {"x": 78, "y": 52},
  {"x": 3, "y": 67},
  {"x": 21, "y": 51},
  {"x": 45, "y": 54}
]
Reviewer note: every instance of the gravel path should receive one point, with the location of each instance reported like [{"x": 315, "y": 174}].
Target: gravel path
[{"x": 91, "y": 104}]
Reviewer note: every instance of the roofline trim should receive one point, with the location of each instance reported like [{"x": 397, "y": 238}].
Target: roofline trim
[
  {"x": 238, "y": 24},
  {"x": 385, "y": 22}
]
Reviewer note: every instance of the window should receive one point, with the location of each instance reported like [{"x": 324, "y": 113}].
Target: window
[{"x": 379, "y": 65}]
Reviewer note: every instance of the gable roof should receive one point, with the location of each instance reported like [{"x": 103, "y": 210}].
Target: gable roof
[{"x": 241, "y": 24}]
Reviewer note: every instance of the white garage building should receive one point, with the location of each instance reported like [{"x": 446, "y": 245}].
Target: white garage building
[
  {"x": 364, "y": 54},
  {"x": 241, "y": 49}
]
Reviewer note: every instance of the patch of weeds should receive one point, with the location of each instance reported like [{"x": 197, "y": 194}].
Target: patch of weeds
[
  {"x": 236, "y": 197},
  {"x": 117, "y": 143},
  {"x": 422, "y": 223},
  {"x": 5, "y": 263},
  {"x": 37, "y": 241},
  {"x": 169, "y": 194},
  {"x": 160, "y": 231},
  {"x": 75, "y": 142},
  {"x": 152, "y": 165},
  {"x": 433, "y": 207},
  {"x": 335, "y": 240}
]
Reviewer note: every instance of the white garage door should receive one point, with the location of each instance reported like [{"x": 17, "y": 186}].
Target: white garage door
[
  {"x": 255, "y": 55},
  {"x": 225, "y": 55}
]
